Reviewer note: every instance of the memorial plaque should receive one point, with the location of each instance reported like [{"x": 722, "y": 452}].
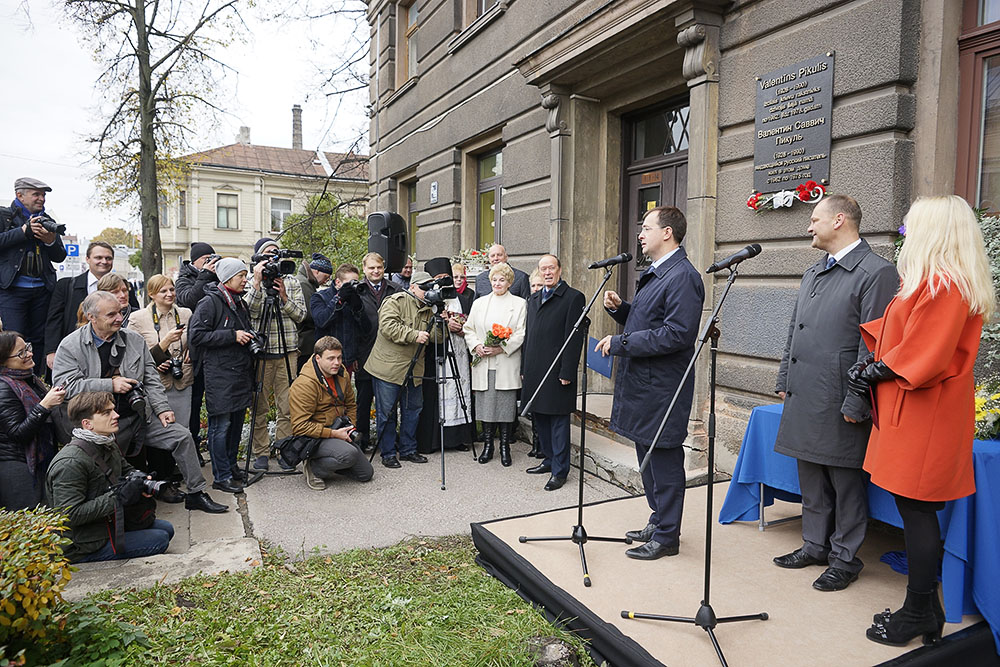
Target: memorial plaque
[{"x": 792, "y": 125}]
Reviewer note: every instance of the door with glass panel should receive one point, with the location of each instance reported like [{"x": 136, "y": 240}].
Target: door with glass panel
[
  {"x": 489, "y": 187},
  {"x": 655, "y": 175}
]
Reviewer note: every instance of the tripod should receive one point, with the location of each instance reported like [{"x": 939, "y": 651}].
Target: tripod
[
  {"x": 579, "y": 534},
  {"x": 705, "y": 618},
  {"x": 270, "y": 312}
]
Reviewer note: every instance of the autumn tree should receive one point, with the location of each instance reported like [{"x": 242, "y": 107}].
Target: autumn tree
[
  {"x": 117, "y": 236},
  {"x": 328, "y": 228},
  {"x": 158, "y": 74}
]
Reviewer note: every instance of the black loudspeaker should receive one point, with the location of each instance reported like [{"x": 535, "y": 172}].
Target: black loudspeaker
[{"x": 387, "y": 237}]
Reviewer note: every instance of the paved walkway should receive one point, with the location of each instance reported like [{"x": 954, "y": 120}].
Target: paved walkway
[{"x": 396, "y": 504}]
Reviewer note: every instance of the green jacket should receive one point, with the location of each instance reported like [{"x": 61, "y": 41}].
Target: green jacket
[
  {"x": 77, "y": 486},
  {"x": 400, "y": 318}
]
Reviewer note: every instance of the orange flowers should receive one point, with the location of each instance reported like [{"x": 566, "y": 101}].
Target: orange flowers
[{"x": 500, "y": 332}]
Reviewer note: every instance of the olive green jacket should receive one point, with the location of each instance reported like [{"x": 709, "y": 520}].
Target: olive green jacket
[
  {"x": 77, "y": 486},
  {"x": 400, "y": 318}
]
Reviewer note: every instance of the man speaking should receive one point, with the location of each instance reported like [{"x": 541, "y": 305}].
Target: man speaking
[{"x": 661, "y": 327}]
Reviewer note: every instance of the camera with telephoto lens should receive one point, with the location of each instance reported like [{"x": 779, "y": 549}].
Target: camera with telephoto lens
[
  {"x": 150, "y": 486},
  {"x": 136, "y": 399},
  {"x": 277, "y": 264},
  {"x": 50, "y": 225},
  {"x": 437, "y": 291},
  {"x": 177, "y": 368},
  {"x": 343, "y": 421}
]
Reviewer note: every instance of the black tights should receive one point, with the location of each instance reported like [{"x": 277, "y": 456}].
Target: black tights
[{"x": 923, "y": 541}]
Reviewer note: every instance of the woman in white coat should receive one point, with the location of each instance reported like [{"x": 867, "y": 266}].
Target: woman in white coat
[{"x": 496, "y": 377}]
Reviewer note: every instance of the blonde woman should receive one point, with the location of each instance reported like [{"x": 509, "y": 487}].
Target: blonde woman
[
  {"x": 924, "y": 349},
  {"x": 496, "y": 377},
  {"x": 162, "y": 323}
]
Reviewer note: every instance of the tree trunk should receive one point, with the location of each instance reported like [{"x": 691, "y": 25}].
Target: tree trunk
[{"x": 152, "y": 252}]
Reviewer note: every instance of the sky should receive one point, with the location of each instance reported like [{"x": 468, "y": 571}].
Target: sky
[{"x": 49, "y": 78}]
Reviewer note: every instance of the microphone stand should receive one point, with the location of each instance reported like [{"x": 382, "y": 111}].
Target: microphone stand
[
  {"x": 705, "y": 618},
  {"x": 579, "y": 534}
]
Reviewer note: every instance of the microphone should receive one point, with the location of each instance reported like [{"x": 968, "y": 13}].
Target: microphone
[
  {"x": 611, "y": 261},
  {"x": 751, "y": 250}
]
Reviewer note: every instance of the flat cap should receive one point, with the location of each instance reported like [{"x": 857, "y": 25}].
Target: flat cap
[{"x": 26, "y": 183}]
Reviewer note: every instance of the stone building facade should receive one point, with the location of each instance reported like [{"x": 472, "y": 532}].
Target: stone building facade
[{"x": 551, "y": 126}]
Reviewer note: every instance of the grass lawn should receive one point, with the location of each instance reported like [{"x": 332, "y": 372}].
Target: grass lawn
[{"x": 422, "y": 602}]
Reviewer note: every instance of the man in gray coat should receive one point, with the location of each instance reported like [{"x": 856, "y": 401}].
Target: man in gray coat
[
  {"x": 101, "y": 356},
  {"x": 823, "y": 425}
]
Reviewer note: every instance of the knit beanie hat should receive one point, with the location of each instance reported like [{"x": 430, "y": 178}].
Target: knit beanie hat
[
  {"x": 229, "y": 267},
  {"x": 261, "y": 245},
  {"x": 321, "y": 263},
  {"x": 199, "y": 250}
]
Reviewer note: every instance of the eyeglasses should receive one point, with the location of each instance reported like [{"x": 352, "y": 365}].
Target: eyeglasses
[{"x": 23, "y": 354}]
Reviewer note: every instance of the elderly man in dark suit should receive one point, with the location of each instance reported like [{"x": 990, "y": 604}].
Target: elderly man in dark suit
[
  {"x": 661, "y": 327},
  {"x": 498, "y": 254},
  {"x": 552, "y": 312},
  {"x": 69, "y": 293},
  {"x": 823, "y": 425}
]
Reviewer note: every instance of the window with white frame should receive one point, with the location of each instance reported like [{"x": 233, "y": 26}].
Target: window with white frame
[
  {"x": 227, "y": 211},
  {"x": 280, "y": 210},
  {"x": 182, "y": 209}
]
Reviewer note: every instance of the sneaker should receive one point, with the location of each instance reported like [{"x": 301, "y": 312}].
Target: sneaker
[
  {"x": 312, "y": 481},
  {"x": 261, "y": 464},
  {"x": 284, "y": 466}
]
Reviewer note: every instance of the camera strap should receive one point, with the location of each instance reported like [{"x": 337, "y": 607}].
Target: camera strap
[
  {"x": 327, "y": 384},
  {"x": 156, "y": 322}
]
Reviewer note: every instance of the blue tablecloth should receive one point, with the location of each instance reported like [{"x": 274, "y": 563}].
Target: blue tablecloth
[{"x": 970, "y": 527}]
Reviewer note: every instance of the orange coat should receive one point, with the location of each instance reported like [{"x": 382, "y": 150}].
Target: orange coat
[{"x": 922, "y": 448}]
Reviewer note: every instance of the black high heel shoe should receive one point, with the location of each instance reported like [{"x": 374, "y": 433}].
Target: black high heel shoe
[{"x": 916, "y": 617}]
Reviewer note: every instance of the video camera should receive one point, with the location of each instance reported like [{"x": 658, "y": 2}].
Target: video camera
[
  {"x": 278, "y": 264},
  {"x": 439, "y": 290}
]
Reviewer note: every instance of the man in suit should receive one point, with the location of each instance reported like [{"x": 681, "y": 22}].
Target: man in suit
[
  {"x": 373, "y": 290},
  {"x": 27, "y": 250},
  {"x": 552, "y": 312},
  {"x": 661, "y": 327},
  {"x": 69, "y": 293},
  {"x": 823, "y": 425},
  {"x": 498, "y": 254}
]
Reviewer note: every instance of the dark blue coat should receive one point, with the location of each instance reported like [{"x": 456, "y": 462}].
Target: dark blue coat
[
  {"x": 333, "y": 317},
  {"x": 661, "y": 328},
  {"x": 227, "y": 365},
  {"x": 15, "y": 244}
]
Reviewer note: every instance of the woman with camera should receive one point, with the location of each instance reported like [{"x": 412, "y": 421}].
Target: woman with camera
[
  {"x": 496, "y": 368},
  {"x": 220, "y": 337},
  {"x": 921, "y": 375},
  {"x": 27, "y": 444},
  {"x": 162, "y": 324}
]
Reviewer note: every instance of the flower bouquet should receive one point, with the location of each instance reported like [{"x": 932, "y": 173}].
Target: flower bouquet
[{"x": 497, "y": 337}]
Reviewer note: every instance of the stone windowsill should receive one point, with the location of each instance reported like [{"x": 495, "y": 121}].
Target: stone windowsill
[
  {"x": 477, "y": 26},
  {"x": 402, "y": 90}
]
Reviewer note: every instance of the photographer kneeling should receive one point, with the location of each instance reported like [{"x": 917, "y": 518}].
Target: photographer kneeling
[
  {"x": 101, "y": 356},
  {"x": 319, "y": 400},
  {"x": 100, "y": 491}
]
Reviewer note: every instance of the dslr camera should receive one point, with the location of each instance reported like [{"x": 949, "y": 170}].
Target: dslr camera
[
  {"x": 136, "y": 399},
  {"x": 279, "y": 264},
  {"x": 150, "y": 486},
  {"x": 50, "y": 225},
  {"x": 176, "y": 368},
  {"x": 343, "y": 421},
  {"x": 257, "y": 344}
]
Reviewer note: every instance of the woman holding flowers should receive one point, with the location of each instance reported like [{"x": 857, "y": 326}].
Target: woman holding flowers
[
  {"x": 494, "y": 333},
  {"x": 924, "y": 349}
]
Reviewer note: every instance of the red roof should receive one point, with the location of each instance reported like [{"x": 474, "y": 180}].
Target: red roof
[{"x": 291, "y": 161}]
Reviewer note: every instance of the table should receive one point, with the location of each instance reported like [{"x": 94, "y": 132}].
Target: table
[{"x": 970, "y": 527}]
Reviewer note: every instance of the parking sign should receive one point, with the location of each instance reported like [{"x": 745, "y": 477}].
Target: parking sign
[{"x": 72, "y": 250}]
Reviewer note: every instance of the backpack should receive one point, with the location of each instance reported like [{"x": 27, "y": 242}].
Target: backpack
[{"x": 297, "y": 448}]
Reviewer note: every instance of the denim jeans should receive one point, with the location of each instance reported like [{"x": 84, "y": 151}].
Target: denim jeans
[
  {"x": 137, "y": 544},
  {"x": 24, "y": 311},
  {"x": 224, "y": 432},
  {"x": 411, "y": 400}
]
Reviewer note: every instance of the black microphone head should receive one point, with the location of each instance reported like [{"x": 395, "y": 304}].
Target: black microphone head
[
  {"x": 627, "y": 256},
  {"x": 753, "y": 250}
]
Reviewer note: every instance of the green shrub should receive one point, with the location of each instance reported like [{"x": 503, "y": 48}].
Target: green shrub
[{"x": 33, "y": 571}]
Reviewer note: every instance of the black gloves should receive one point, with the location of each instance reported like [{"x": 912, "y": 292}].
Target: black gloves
[
  {"x": 130, "y": 491},
  {"x": 867, "y": 373},
  {"x": 877, "y": 372},
  {"x": 854, "y": 383}
]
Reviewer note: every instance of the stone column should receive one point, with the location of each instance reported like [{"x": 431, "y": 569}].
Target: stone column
[
  {"x": 698, "y": 34},
  {"x": 555, "y": 100}
]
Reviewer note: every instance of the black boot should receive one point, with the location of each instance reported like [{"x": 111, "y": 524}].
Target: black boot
[
  {"x": 884, "y": 616},
  {"x": 487, "y": 454},
  {"x": 505, "y": 445},
  {"x": 916, "y": 617},
  {"x": 536, "y": 449}
]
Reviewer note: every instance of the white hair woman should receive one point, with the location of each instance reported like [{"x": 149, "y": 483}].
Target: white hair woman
[
  {"x": 496, "y": 376},
  {"x": 924, "y": 349}
]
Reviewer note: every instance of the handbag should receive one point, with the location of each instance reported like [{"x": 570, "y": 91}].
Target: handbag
[{"x": 297, "y": 448}]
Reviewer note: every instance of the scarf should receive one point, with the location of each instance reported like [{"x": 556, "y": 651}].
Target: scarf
[
  {"x": 229, "y": 296},
  {"x": 96, "y": 438},
  {"x": 39, "y": 452}
]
